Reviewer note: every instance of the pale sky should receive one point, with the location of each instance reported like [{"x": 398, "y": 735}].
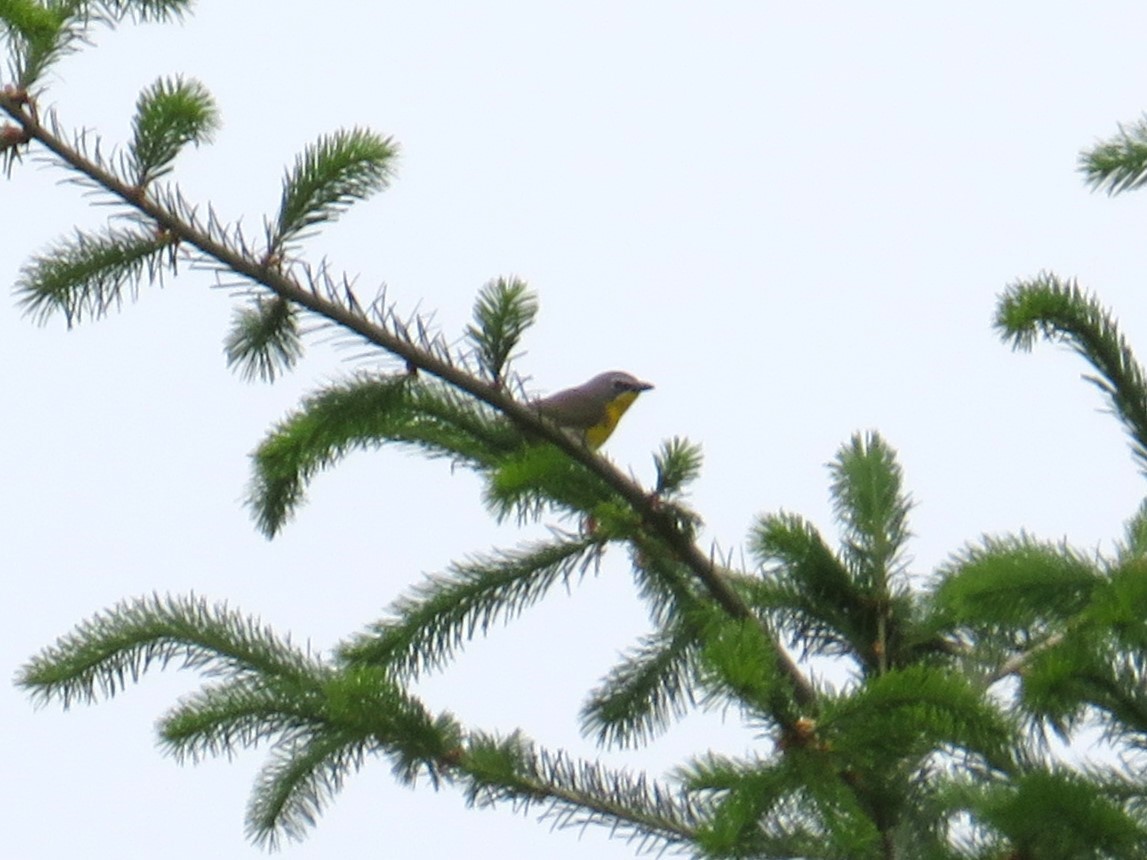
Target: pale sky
[{"x": 793, "y": 218}]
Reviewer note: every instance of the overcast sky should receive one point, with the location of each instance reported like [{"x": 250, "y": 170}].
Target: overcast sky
[{"x": 793, "y": 218}]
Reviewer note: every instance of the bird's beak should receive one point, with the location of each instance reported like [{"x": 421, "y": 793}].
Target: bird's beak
[{"x": 643, "y": 386}]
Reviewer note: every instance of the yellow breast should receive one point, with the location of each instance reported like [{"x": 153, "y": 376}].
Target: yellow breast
[{"x": 596, "y": 435}]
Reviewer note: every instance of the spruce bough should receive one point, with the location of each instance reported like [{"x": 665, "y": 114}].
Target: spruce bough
[{"x": 936, "y": 747}]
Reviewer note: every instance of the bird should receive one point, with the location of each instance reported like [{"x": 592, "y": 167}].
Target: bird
[{"x": 592, "y": 409}]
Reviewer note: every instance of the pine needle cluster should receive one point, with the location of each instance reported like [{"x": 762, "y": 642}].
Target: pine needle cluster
[{"x": 930, "y": 739}]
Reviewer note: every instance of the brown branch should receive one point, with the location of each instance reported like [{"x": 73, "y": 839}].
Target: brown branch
[
  {"x": 658, "y": 520},
  {"x": 1015, "y": 664}
]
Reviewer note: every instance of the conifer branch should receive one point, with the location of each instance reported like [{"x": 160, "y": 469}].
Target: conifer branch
[
  {"x": 88, "y": 275},
  {"x": 363, "y": 412},
  {"x": 1018, "y": 596},
  {"x": 890, "y": 768},
  {"x": 504, "y": 310},
  {"x": 809, "y": 589},
  {"x": 328, "y": 177},
  {"x": 39, "y": 36},
  {"x": 850, "y": 602},
  {"x": 101, "y": 655},
  {"x": 356, "y": 713},
  {"x": 223, "y": 718},
  {"x": 797, "y": 805},
  {"x": 1060, "y": 312},
  {"x": 1017, "y": 584},
  {"x": 301, "y": 209},
  {"x": 1057, "y": 813},
  {"x": 908, "y": 714},
  {"x": 42, "y": 33},
  {"x": 169, "y": 114},
  {"x": 1016, "y": 664},
  {"x": 1082, "y": 675},
  {"x": 1118, "y": 164},
  {"x": 139, "y": 11},
  {"x": 678, "y": 464},
  {"x": 1134, "y": 546},
  {"x": 670, "y": 591},
  {"x": 869, "y": 502},
  {"x": 305, "y": 772},
  {"x": 734, "y": 665},
  {"x": 320, "y": 720},
  {"x": 538, "y": 477},
  {"x": 446, "y": 610},
  {"x": 575, "y": 793},
  {"x": 642, "y": 694},
  {"x": 264, "y": 341}
]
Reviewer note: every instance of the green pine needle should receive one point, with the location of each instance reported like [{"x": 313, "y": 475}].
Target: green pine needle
[
  {"x": 666, "y": 586},
  {"x": 87, "y": 276},
  {"x": 678, "y": 464},
  {"x": 713, "y": 772},
  {"x": 505, "y": 308},
  {"x": 811, "y": 592},
  {"x": 905, "y": 715},
  {"x": 365, "y": 412},
  {"x": 739, "y": 662},
  {"x": 444, "y": 612},
  {"x": 292, "y": 790},
  {"x": 1057, "y": 813},
  {"x": 575, "y": 793},
  {"x": 320, "y": 722},
  {"x": 1064, "y": 683},
  {"x": 1117, "y": 606},
  {"x": 330, "y": 175},
  {"x": 264, "y": 340},
  {"x": 1016, "y": 583},
  {"x": 357, "y": 713},
  {"x": 869, "y": 502},
  {"x": 31, "y": 21},
  {"x": 1118, "y": 164},
  {"x": 102, "y": 654},
  {"x": 752, "y": 816},
  {"x": 536, "y": 478},
  {"x": 1060, "y": 312},
  {"x": 142, "y": 11},
  {"x": 169, "y": 114},
  {"x": 794, "y": 806},
  {"x": 39, "y": 35},
  {"x": 643, "y": 694},
  {"x": 1135, "y": 535},
  {"x": 241, "y": 713},
  {"x": 332, "y": 422},
  {"x": 848, "y": 604}
]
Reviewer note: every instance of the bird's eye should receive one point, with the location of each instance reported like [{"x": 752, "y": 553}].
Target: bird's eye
[{"x": 619, "y": 385}]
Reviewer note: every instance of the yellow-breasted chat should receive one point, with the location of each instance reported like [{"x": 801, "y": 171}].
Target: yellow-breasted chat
[{"x": 593, "y": 408}]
